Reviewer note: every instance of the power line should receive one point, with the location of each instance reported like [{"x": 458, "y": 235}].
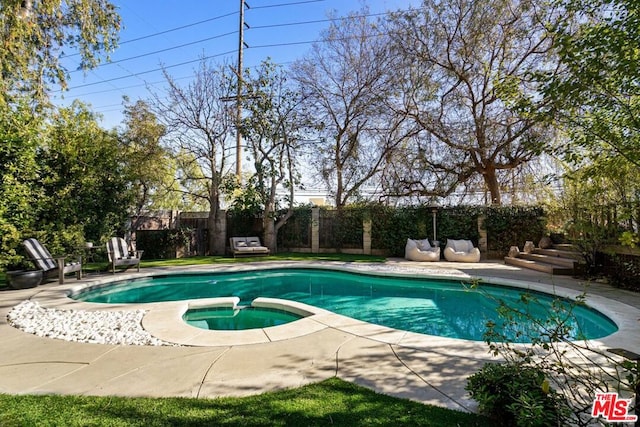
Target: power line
[
  {"x": 286, "y": 4},
  {"x": 283, "y": 44},
  {"x": 170, "y": 30},
  {"x": 137, "y": 74},
  {"x": 204, "y": 21},
  {"x": 178, "y": 28},
  {"x": 317, "y": 21},
  {"x": 286, "y": 24},
  {"x": 142, "y": 55},
  {"x": 216, "y": 55},
  {"x": 97, "y": 92}
]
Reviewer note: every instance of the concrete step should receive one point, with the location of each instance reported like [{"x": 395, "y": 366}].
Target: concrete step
[
  {"x": 538, "y": 266},
  {"x": 569, "y": 247},
  {"x": 549, "y": 259},
  {"x": 560, "y": 253}
]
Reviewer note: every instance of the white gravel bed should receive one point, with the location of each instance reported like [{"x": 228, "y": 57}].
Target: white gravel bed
[{"x": 98, "y": 327}]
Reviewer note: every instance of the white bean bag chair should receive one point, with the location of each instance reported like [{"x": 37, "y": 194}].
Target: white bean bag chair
[
  {"x": 461, "y": 251},
  {"x": 421, "y": 250}
]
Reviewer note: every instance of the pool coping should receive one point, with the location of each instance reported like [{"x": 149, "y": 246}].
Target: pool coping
[
  {"x": 164, "y": 320},
  {"x": 423, "y": 368}
]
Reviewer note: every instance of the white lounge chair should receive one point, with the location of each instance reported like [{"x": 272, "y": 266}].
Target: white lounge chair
[
  {"x": 51, "y": 266},
  {"x": 247, "y": 246},
  {"x": 461, "y": 251},
  {"x": 421, "y": 250},
  {"x": 120, "y": 255}
]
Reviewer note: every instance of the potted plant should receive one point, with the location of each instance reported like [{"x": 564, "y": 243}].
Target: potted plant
[{"x": 20, "y": 277}]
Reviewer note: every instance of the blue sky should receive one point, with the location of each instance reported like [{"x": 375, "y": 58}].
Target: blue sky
[{"x": 175, "y": 34}]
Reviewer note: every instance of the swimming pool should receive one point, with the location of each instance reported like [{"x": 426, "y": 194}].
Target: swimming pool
[
  {"x": 236, "y": 319},
  {"x": 445, "y": 308}
]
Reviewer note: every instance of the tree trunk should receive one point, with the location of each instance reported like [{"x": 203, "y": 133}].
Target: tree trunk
[
  {"x": 217, "y": 234},
  {"x": 491, "y": 180},
  {"x": 270, "y": 236},
  {"x": 339, "y": 188},
  {"x": 212, "y": 229}
]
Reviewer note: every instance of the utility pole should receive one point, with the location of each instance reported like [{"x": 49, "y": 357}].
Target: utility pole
[{"x": 241, "y": 45}]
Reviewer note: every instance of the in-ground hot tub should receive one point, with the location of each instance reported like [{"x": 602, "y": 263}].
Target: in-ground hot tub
[
  {"x": 237, "y": 318},
  {"x": 225, "y": 314}
]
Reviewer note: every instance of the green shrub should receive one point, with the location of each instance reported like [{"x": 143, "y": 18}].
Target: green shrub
[
  {"x": 512, "y": 226},
  {"x": 458, "y": 222},
  {"x": 296, "y": 232},
  {"x": 515, "y": 394},
  {"x": 392, "y": 226},
  {"x": 341, "y": 229},
  {"x": 162, "y": 244},
  {"x": 622, "y": 269}
]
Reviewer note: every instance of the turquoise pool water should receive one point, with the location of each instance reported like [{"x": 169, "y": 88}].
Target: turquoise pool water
[
  {"x": 234, "y": 319},
  {"x": 446, "y": 308}
]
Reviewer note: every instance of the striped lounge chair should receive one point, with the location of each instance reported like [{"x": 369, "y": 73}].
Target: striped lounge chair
[
  {"x": 51, "y": 266},
  {"x": 119, "y": 254}
]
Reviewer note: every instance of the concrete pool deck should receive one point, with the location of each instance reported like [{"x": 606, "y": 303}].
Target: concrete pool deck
[{"x": 213, "y": 363}]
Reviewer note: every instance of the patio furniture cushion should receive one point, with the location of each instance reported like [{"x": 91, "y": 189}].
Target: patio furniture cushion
[
  {"x": 415, "y": 251},
  {"x": 461, "y": 251}
]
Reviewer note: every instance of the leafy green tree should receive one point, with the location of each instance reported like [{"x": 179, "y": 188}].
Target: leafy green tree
[
  {"x": 597, "y": 93},
  {"x": 19, "y": 171},
  {"x": 84, "y": 176},
  {"x": 36, "y": 33},
  {"x": 597, "y": 100},
  {"x": 151, "y": 168},
  {"x": 598, "y": 205}
]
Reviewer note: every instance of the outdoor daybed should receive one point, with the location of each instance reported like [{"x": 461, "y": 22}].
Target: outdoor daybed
[
  {"x": 247, "y": 246},
  {"x": 421, "y": 250},
  {"x": 461, "y": 251}
]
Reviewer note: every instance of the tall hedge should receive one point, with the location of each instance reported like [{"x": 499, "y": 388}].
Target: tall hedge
[
  {"x": 296, "y": 233},
  {"x": 391, "y": 226},
  {"x": 512, "y": 226}
]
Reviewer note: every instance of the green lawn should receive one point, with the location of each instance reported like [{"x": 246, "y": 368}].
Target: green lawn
[
  {"x": 204, "y": 260},
  {"x": 283, "y": 256},
  {"x": 331, "y": 402}
]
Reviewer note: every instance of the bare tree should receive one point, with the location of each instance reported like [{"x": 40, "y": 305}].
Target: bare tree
[
  {"x": 466, "y": 70},
  {"x": 346, "y": 82},
  {"x": 200, "y": 125},
  {"x": 272, "y": 129}
]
